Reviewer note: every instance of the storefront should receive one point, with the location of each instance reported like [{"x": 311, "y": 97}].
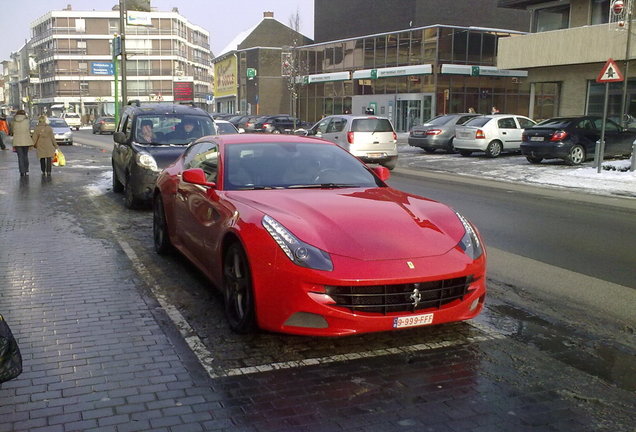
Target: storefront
[{"x": 410, "y": 76}]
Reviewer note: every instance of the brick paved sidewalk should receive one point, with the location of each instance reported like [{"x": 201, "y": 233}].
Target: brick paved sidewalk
[{"x": 94, "y": 354}]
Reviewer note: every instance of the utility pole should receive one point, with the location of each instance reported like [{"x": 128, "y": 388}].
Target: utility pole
[
  {"x": 122, "y": 30},
  {"x": 628, "y": 28}
]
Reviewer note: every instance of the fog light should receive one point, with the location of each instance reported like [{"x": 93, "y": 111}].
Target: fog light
[{"x": 474, "y": 304}]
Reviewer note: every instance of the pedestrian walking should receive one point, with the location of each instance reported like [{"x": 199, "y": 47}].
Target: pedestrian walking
[
  {"x": 22, "y": 140},
  {"x": 4, "y": 131},
  {"x": 44, "y": 143}
]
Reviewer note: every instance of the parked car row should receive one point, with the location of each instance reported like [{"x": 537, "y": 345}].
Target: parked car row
[{"x": 572, "y": 139}]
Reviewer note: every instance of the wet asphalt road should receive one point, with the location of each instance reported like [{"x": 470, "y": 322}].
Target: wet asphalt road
[{"x": 522, "y": 365}]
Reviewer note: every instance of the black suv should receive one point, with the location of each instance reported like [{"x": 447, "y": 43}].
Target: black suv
[
  {"x": 281, "y": 123},
  {"x": 148, "y": 138}
]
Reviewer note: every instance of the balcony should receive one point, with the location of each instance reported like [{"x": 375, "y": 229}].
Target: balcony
[{"x": 587, "y": 44}]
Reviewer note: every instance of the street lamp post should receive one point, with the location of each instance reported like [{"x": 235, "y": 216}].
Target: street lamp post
[
  {"x": 628, "y": 26},
  {"x": 122, "y": 29}
]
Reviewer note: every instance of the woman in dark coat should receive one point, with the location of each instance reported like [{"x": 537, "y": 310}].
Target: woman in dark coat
[{"x": 44, "y": 143}]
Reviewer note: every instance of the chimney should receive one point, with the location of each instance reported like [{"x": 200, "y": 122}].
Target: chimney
[{"x": 268, "y": 14}]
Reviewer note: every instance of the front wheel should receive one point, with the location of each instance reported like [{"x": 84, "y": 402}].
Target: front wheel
[
  {"x": 576, "y": 156},
  {"x": 276, "y": 131},
  {"x": 237, "y": 290},
  {"x": 129, "y": 197},
  {"x": 118, "y": 187},
  {"x": 160, "y": 228}
]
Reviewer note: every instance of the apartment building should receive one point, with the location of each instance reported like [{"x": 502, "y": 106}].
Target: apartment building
[
  {"x": 568, "y": 45},
  {"x": 168, "y": 59}
]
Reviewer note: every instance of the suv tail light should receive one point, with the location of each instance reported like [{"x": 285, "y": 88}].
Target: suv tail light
[
  {"x": 394, "y": 136},
  {"x": 559, "y": 136},
  {"x": 350, "y": 137},
  {"x": 480, "y": 134},
  {"x": 433, "y": 132}
]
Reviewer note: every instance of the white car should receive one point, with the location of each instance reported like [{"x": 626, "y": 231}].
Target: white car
[
  {"x": 370, "y": 138},
  {"x": 224, "y": 127},
  {"x": 492, "y": 134},
  {"x": 73, "y": 120}
]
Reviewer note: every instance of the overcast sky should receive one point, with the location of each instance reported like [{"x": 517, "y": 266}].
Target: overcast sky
[{"x": 222, "y": 18}]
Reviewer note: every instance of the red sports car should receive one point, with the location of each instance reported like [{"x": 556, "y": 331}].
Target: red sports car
[{"x": 301, "y": 237}]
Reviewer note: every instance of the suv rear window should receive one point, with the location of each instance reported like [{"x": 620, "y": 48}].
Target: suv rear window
[
  {"x": 371, "y": 125},
  {"x": 71, "y": 115}
]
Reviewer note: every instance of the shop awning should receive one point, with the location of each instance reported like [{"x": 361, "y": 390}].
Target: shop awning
[
  {"x": 424, "y": 69},
  {"x": 474, "y": 70}
]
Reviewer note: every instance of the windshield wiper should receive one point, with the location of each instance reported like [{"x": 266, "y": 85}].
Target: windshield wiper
[{"x": 252, "y": 187}]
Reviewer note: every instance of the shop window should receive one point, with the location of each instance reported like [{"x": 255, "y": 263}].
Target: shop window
[{"x": 546, "y": 100}]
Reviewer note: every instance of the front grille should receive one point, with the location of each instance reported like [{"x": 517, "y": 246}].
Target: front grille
[{"x": 384, "y": 299}]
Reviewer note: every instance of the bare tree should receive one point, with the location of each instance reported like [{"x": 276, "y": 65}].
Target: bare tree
[{"x": 293, "y": 68}]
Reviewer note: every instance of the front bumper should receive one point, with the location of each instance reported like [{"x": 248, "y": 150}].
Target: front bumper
[
  {"x": 292, "y": 299},
  {"x": 60, "y": 140}
]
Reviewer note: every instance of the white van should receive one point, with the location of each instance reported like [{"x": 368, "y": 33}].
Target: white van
[
  {"x": 371, "y": 138},
  {"x": 73, "y": 120}
]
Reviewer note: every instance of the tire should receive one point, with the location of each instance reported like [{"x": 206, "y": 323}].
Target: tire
[
  {"x": 450, "y": 149},
  {"x": 390, "y": 164},
  {"x": 534, "y": 159},
  {"x": 465, "y": 152},
  {"x": 94, "y": 132},
  {"x": 429, "y": 150},
  {"x": 118, "y": 187},
  {"x": 576, "y": 155},
  {"x": 161, "y": 238},
  {"x": 494, "y": 149},
  {"x": 237, "y": 290},
  {"x": 276, "y": 131},
  {"x": 129, "y": 198}
]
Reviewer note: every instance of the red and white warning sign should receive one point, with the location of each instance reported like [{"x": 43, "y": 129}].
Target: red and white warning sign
[{"x": 610, "y": 73}]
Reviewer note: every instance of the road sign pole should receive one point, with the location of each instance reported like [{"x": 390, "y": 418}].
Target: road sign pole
[{"x": 600, "y": 148}]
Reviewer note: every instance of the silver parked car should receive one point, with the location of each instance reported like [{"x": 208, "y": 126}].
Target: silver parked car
[
  {"x": 371, "y": 138},
  {"x": 438, "y": 132},
  {"x": 492, "y": 134}
]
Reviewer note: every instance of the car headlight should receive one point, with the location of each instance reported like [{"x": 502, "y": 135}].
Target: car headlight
[
  {"x": 146, "y": 160},
  {"x": 68, "y": 134},
  {"x": 470, "y": 243},
  {"x": 299, "y": 252}
]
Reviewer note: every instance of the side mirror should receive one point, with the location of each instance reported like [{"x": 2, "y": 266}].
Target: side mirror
[
  {"x": 382, "y": 172},
  {"x": 119, "y": 137},
  {"x": 241, "y": 130},
  {"x": 196, "y": 176},
  {"x": 312, "y": 132}
]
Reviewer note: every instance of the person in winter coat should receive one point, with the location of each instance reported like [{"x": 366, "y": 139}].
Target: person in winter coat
[
  {"x": 4, "y": 131},
  {"x": 22, "y": 140},
  {"x": 44, "y": 143}
]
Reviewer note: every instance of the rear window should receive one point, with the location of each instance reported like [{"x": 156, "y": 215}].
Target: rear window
[
  {"x": 478, "y": 121},
  {"x": 440, "y": 120},
  {"x": 371, "y": 125},
  {"x": 556, "y": 123}
]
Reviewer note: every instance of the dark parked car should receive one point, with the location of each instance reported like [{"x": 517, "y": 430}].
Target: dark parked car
[
  {"x": 244, "y": 123},
  {"x": 281, "y": 123},
  {"x": 150, "y": 137},
  {"x": 104, "y": 125},
  {"x": 438, "y": 132},
  {"x": 573, "y": 139}
]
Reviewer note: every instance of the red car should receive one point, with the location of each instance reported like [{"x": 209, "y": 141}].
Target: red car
[{"x": 301, "y": 237}]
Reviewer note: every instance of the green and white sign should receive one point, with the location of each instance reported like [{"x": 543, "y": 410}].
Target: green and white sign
[
  {"x": 251, "y": 72},
  {"x": 423, "y": 69}
]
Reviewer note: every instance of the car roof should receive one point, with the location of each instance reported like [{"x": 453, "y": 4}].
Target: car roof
[
  {"x": 263, "y": 138},
  {"x": 358, "y": 116},
  {"x": 165, "y": 108}
]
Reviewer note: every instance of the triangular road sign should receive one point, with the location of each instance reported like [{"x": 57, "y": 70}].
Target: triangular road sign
[{"x": 610, "y": 73}]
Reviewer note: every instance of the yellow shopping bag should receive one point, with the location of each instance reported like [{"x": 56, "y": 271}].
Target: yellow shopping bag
[{"x": 58, "y": 158}]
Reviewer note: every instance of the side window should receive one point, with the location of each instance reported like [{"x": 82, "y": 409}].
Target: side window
[
  {"x": 611, "y": 126},
  {"x": 204, "y": 155},
  {"x": 524, "y": 122},
  {"x": 463, "y": 119},
  {"x": 127, "y": 122},
  {"x": 322, "y": 125},
  {"x": 585, "y": 124},
  {"x": 598, "y": 123},
  {"x": 507, "y": 123},
  {"x": 336, "y": 125}
]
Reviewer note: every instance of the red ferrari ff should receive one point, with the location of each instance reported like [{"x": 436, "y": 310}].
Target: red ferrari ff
[{"x": 301, "y": 237}]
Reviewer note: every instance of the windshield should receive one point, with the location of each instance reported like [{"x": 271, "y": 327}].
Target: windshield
[
  {"x": 177, "y": 129},
  {"x": 294, "y": 166}
]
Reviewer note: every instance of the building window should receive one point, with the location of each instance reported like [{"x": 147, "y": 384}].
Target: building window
[
  {"x": 546, "y": 100},
  {"x": 600, "y": 12},
  {"x": 554, "y": 18}
]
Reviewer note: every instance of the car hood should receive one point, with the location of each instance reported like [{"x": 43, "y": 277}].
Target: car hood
[
  {"x": 367, "y": 224},
  {"x": 164, "y": 155}
]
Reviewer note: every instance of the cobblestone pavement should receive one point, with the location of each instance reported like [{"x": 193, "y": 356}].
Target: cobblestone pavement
[{"x": 109, "y": 332}]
